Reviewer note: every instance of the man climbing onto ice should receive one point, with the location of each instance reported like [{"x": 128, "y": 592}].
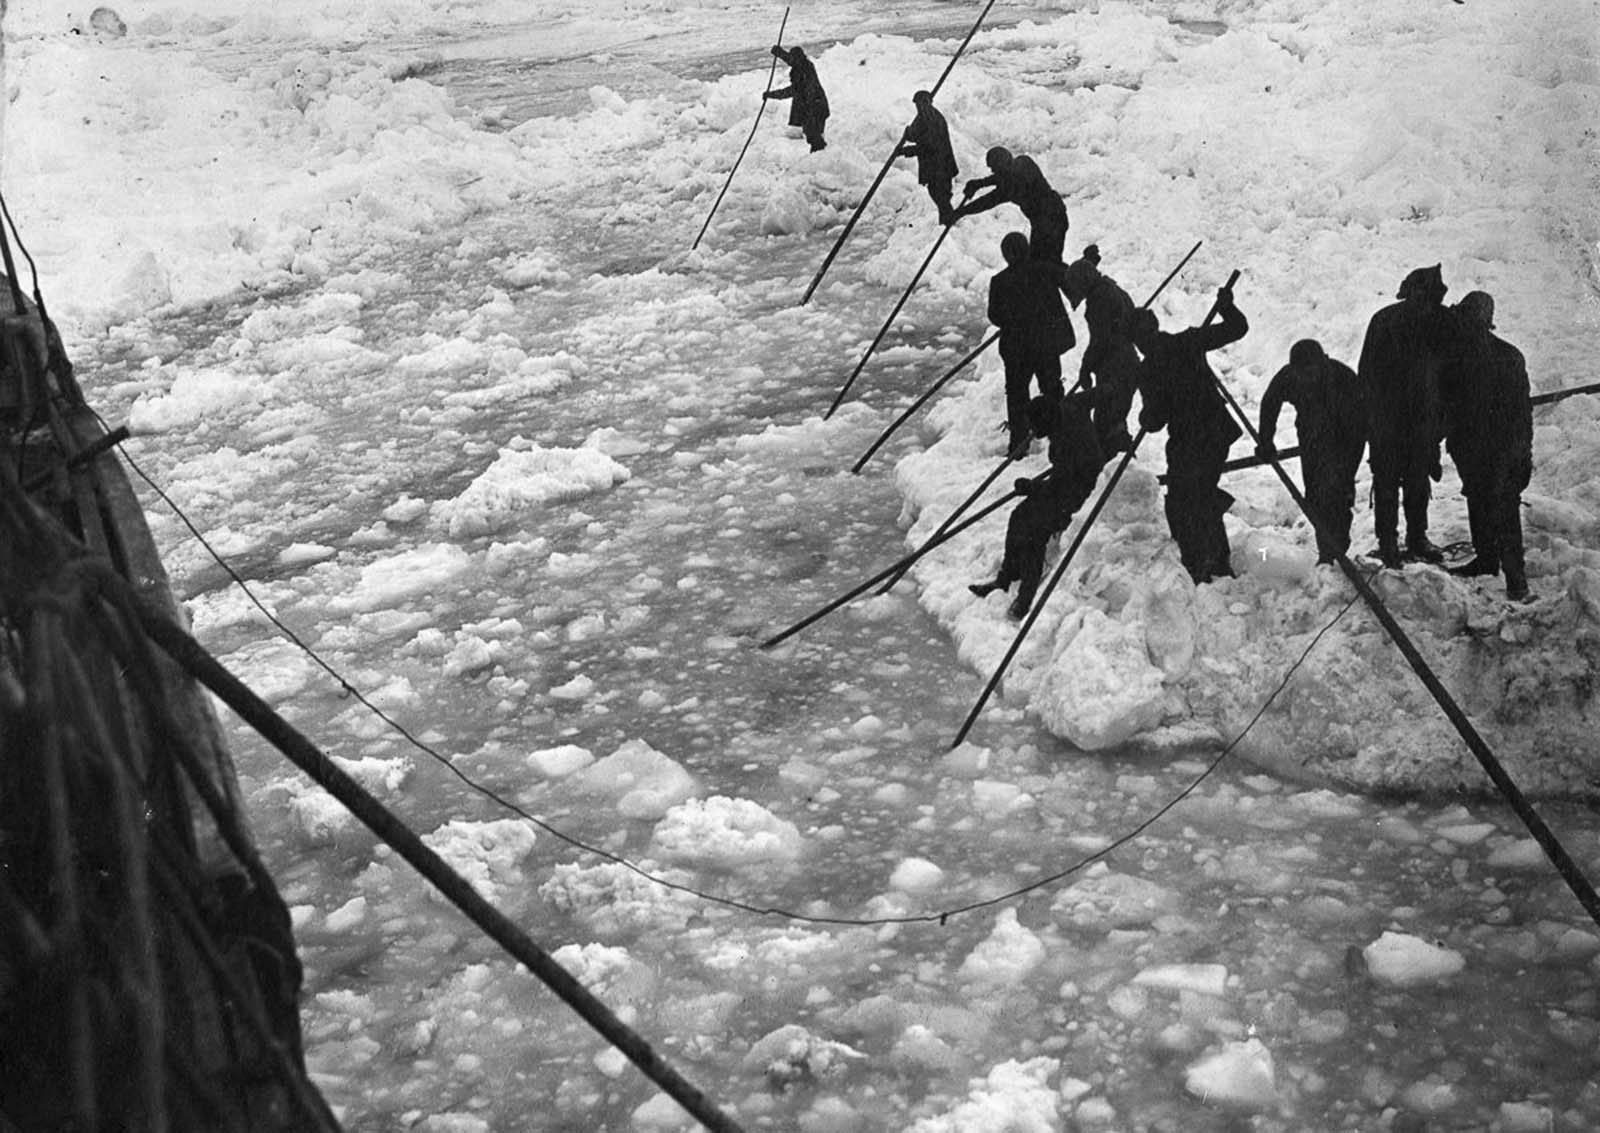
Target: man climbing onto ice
[
  {"x": 1489, "y": 433},
  {"x": 1330, "y": 424},
  {"x": 1181, "y": 395},
  {"x": 1049, "y": 501},
  {"x": 809, "y": 110},
  {"x": 1110, "y": 365},
  {"x": 928, "y": 140},
  {"x": 1025, "y": 303},
  {"x": 1017, "y": 180}
]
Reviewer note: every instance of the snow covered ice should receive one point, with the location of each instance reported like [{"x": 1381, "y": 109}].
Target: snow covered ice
[{"x": 398, "y": 301}]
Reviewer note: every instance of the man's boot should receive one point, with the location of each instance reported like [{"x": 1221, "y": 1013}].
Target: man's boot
[
  {"x": 1418, "y": 546},
  {"x": 1386, "y": 521}
]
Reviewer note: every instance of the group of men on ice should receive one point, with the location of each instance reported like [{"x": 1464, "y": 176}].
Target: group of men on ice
[{"x": 1428, "y": 373}]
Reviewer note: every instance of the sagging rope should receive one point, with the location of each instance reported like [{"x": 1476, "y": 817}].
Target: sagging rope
[{"x": 938, "y": 917}]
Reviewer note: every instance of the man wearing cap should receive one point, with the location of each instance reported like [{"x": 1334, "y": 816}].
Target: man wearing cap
[
  {"x": 1489, "y": 433},
  {"x": 810, "y": 108},
  {"x": 1025, "y": 303},
  {"x": 1180, "y": 394},
  {"x": 1110, "y": 365},
  {"x": 928, "y": 140},
  {"x": 1049, "y": 501},
  {"x": 1017, "y": 180},
  {"x": 1330, "y": 424},
  {"x": 1405, "y": 347}
]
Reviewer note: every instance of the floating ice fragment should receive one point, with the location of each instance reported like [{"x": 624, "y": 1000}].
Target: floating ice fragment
[
  {"x": 1240, "y": 1074},
  {"x": 1006, "y": 956},
  {"x": 916, "y": 875},
  {"x": 1403, "y": 960},
  {"x": 1204, "y": 979}
]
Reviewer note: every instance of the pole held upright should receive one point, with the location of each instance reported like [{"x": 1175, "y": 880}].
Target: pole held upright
[{"x": 773, "y": 70}]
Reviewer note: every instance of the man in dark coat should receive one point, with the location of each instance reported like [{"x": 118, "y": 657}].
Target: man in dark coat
[
  {"x": 1025, "y": 303},
  {"x": 1330, "y": 423},
  {"x": 1406, "y": 345},
  {"x": 1049, "y": 501},
  {"x": 1181, "y": 395},
  {"x": 1017, "y": 181},
  {"x": 928, "y": 140},
  {"x": 1110, "y": 365},
  {"x": 810, "y": 108},
  {"x": 1489, "y": 432}
]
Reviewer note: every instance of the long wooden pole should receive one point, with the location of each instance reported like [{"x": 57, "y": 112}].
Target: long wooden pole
[
  {"x": 754, "y": 126},
  {"x": 1061, "y": 568},
  {"x": 900, "y": 565},
  {"x": 1570, "y": 871},
  {"x": 939, "y": 532},
  {"x": 923, "y": 400},
  {"x": 887, "y": 323},
  {"x": 884, "y": 172},
  {"x": 189, "y": 655}
]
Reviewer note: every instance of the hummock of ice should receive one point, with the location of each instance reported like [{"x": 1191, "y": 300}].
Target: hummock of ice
[
  {"x": 1015, "y": 1097},
  {"x": 488, "y": 854},
  {"x": 521, "y": 478},
  {"x": 1006, "y": 955},
  {"x": 726, "y": 833},
  {"x": 1103, "y": 900},
  {"x": 642, "y": 781},
  {"x": 1240, "y": 1074},
  {"x": 614, "y": 900},
  {"x": 1404, "y": 960}
]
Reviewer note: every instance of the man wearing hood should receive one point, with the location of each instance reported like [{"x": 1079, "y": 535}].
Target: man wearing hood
[
  {"x": 1110, "y": 365},
  {"x": 928, "y": 140},
  {"x": 1406, "y": 345},
  {"x": 1489, "y": 432},
  {"x": 810, "y": 108}
]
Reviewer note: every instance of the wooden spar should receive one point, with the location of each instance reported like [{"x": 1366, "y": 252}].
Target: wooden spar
[
  {"x": 938, "y": 535},
  {"x": 887, "y": 323},
  {"x": 773, "y": 70},
  {"x": 923, "y": 400},
  {"x": 778, "y": 638},
  {"x": 1571, "y": 873},
  {"x": 884, "y": 172}
]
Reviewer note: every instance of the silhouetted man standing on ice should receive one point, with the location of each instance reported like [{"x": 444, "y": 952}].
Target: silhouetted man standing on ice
[
  {"x": 1049, "y": 501},
  {"x": 1489, "y": 432},
  {"x": 810, "y": 108},
  {"x": 1025, "y": 303},
  {"x": 1017, "y": 181},
  {"x": 1406, "y": 345},
  {"x": 1110, "y": 365},
  {"x": 1330, "y": 423},
  {"x": 1180, "y": 395},
  {"x": 928, "y": 140}
]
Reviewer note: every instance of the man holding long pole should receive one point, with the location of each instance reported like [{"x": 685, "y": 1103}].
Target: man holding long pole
[
  {"x": 1049, "y": 501},
  {"x": 1017, "y": 179},
  {"x": 1180, "y": 395}
]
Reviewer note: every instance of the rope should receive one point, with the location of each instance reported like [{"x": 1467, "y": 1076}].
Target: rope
[{"x": 940, "y": 917}]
